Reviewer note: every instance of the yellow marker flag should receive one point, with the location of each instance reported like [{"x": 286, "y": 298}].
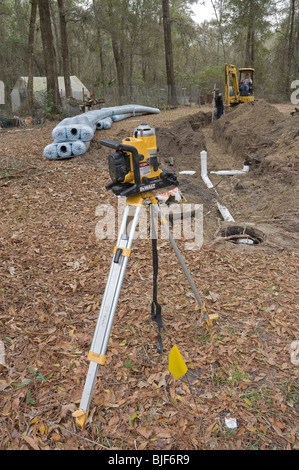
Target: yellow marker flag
[{"x": 176, "y": 363}]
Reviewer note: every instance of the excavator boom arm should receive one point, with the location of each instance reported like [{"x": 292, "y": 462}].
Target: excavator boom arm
[{"x": 231, "y": 70}]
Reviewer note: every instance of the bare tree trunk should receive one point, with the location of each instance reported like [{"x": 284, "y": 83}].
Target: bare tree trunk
[
  {"x": 247, "y": 48},
  {"x": 219, "y": 22},
  {"x": 290, "y": 47},
  {"x": 172, "y": 98},
  {"x": 296, "y": 49},
  {"x": 64, "y": 50},
  {"x": 120, "y": 67},
  {"x": 252, "y": 50},
  {"x": 250, "y": 39},
  {"x": 97, "y": 14},
  {"x": 30, "y": 55},
  {"x": 49, "y": 53},
  {"x": 118, "y": 48}
]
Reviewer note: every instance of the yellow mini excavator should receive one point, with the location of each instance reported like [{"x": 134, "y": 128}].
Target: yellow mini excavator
[{"x": 238, "y": 90}]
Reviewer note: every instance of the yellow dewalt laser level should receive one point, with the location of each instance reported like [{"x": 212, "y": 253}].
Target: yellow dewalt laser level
[{"x": 134, "y": 166}]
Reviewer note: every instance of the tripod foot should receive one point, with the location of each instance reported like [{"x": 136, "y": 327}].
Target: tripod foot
[
  {"x": 81, "y": 417},
  {"x": 208, "y": 318}
]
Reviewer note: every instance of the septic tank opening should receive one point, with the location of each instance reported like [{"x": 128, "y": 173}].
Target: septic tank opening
[{"x": 242, "y": 235}]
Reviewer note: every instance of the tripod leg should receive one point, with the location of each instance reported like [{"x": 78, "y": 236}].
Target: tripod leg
[
  {"x": 97, "y": 353},
  {"x": 182, "y": 262}
]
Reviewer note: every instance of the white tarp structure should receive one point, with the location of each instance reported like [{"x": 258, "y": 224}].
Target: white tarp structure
[
  {"x": 19, "y": 92},
  {"x": 2, "y": 94}
]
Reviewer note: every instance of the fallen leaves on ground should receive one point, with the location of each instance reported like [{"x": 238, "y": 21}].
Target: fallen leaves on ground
[{"x": 53, "y": 273}]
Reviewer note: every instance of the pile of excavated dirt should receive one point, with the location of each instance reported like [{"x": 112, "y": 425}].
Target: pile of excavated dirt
[
  {"x": 183, "y": 142},
  {"x": 179, "y": 150},
  {"x": 260, "y": 133}
]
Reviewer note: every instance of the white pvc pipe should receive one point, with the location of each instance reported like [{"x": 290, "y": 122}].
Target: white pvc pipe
[
  {"x": 204, "y": 170},
  {"x": 245, "y": 241},
  {"x": 204, "y": 163},
  {"x": 225, "y": 213},
  {"x": 187, "y": 172},
  {"x": 233, "y": 172}
]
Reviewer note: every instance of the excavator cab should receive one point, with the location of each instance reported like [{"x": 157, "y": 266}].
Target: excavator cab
[
  {"x": 238, "y": 89},
  {"x": 246, "y": 83}
]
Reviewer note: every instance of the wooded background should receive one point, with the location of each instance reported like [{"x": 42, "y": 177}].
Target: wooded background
[{"x": 148, "y": 51}]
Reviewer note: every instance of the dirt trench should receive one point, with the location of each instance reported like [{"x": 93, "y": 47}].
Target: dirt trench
[{"x": 264, "y": 199}]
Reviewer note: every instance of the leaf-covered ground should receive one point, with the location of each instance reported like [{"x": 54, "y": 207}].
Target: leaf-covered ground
[{"x": 52, "y": 276}]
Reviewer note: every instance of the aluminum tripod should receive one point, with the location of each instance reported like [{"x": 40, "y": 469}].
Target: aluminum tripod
[{"x": 122, "y": 250}]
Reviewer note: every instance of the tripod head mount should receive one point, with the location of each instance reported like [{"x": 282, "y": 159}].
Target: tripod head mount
[{"x": 134, "y": 166}]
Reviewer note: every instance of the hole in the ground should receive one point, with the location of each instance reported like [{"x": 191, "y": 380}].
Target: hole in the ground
[
  {"x": 242, "y": 235},
  {"x": 200, "y": 120}
]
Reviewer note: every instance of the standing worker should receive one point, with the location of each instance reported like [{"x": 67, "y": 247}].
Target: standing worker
[{"x": 219, "y": 103}]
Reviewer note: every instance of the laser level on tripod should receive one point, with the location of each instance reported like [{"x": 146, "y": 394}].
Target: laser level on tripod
[{"x": 135, "y": 173}]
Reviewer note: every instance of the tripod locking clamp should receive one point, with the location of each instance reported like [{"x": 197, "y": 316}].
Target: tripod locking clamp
[{"x": 118, "y": 252}]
